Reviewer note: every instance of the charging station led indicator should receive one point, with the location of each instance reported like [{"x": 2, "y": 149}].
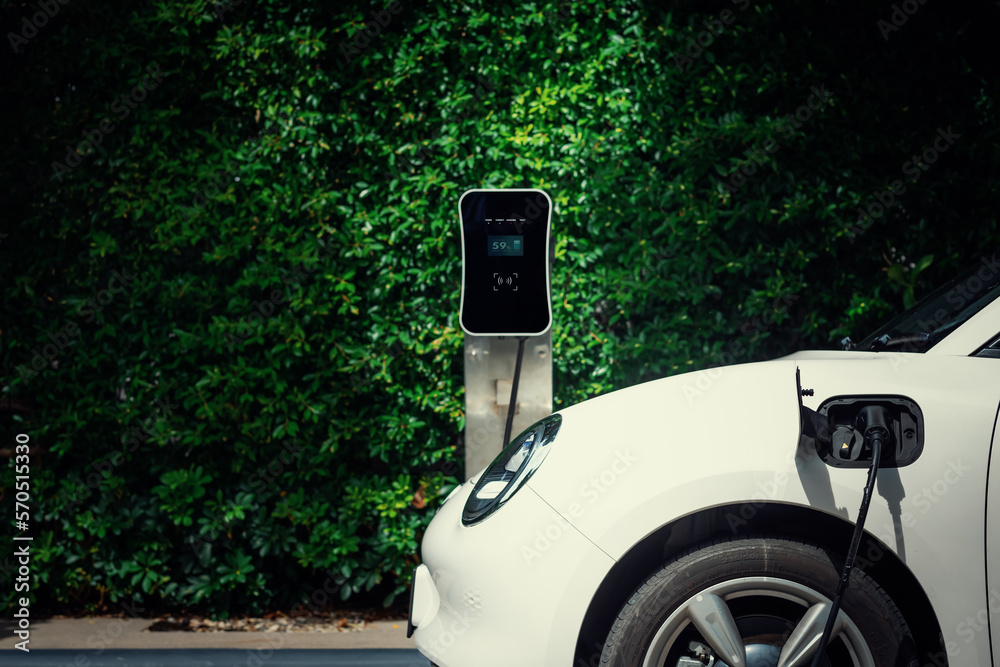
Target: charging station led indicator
[{"x": 505, "y": 246}]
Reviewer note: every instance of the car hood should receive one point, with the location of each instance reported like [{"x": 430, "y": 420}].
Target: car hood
[{"x": 625, "y": 448}]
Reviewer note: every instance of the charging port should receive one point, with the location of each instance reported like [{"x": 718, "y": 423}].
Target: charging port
[{"x": 846, "y": 418}]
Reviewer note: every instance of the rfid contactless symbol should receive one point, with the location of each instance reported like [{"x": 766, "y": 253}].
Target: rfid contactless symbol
[
  {"x": 505, "y": 262},
  {"x": 502, "y": 281}
]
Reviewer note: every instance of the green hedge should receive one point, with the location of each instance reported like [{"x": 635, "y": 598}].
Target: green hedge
[{"x": 231, "y": 329}]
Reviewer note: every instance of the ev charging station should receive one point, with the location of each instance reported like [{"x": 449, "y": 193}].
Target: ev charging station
[{"x": 506, "y": 313}]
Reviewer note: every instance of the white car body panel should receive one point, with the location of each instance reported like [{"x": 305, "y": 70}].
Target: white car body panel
[
  {"x": 677, "y": 471},
  {"x": 483, "y": 583},
  {"x": 514, "y": 588},
  {"x": 992, "y": 607}
]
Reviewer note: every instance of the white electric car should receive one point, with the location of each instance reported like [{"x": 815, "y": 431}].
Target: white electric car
[{"x": 706, "y": 518}]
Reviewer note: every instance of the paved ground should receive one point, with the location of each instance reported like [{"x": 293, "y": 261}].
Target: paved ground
[
  {"x": 217, "y": 658},
  {"x": 88, "y": 636}
]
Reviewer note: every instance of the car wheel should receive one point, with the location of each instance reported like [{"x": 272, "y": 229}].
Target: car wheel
[{"x": 756, "y": 602}]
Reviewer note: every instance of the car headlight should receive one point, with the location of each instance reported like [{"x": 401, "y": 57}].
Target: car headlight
[{"x": 510, "y": 470}]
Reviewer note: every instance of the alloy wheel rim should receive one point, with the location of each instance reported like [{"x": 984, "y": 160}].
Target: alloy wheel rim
[{"x": 709, "y": 614}]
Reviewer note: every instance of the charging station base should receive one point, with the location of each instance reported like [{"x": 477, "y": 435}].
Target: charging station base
[{"x": 489, "y": 370}]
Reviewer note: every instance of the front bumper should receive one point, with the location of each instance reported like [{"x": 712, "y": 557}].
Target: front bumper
[{"x": 511, "y": 590}]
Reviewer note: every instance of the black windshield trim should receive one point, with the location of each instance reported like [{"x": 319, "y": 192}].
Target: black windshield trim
[{"x": 942, "y": 311}]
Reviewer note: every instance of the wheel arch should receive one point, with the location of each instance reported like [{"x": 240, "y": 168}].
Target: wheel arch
[{"x": 731, "y": 521}]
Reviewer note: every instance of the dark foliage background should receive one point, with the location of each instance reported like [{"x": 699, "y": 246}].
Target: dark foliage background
[{"x": 187, "y": 453}]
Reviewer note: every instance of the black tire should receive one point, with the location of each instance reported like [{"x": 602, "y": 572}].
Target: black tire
[{"x": 764, "y": 621}]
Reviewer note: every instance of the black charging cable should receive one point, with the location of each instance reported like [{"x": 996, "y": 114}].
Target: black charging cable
[
  {"x": 512, "y": 406},
  {"x": 876, "y": 430}
]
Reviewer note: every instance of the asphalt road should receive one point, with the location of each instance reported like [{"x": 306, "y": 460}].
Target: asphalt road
[{"x": 383, "y": 657}]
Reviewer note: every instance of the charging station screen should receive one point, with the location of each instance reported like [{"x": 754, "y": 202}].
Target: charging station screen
[
  {"x": 505, "y": 262},
  {"x": 505, "y": 246}
]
